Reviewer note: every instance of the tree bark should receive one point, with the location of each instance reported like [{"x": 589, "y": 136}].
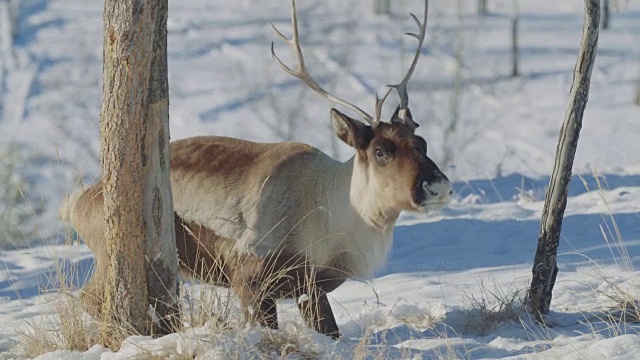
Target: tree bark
[
  {"x": 545, "y": 266},
  {"x": 162, "y": 254},
  {"x": 141, "y": 295}
]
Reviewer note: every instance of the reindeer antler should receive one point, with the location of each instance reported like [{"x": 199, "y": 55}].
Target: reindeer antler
[
  {"x": 401, "y": 88},
  {"x": 303, "y": 74}
]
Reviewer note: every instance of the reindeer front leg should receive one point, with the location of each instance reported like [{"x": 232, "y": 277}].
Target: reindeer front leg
[
  {"x": 310, "y": 290},
  {"x": 267, "y": 315},
  {"x": 258, "y": 308},
  {"x": 317, "y": 313},
  {"x": 257, "y": 300}
]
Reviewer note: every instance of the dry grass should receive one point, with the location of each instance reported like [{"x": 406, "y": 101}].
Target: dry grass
[
  {"x": 284, "y": 345},
  {"x": 67, "y": 328},
  {"x": 364, "y": 349},
  {"x": 618, "y": 310},
  {"x": 492, "y": 308},
  {"x": 206, "y": 305},
  {"x": 622, "y": 315},
  {"x": 213, "y": 307}
]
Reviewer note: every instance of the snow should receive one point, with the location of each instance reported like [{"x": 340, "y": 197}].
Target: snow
[{"x": 426, "y": 303}]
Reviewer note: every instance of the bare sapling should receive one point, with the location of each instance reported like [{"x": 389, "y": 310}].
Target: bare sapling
[{"x": 545, "y": 268}]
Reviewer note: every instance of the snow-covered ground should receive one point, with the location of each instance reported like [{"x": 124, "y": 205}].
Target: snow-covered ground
[{"x": 427, "y": 301}]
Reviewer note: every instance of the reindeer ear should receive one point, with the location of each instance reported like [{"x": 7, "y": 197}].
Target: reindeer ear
[
  {"x": 351, "y": 131},
  {"x": 408, "y": 120}
]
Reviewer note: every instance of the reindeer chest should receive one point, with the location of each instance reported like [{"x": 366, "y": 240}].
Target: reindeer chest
[{"x": 357, "y": 250}]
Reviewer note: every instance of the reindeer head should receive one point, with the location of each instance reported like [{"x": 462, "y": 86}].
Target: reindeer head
[
  {"x": 395, "y": 163},
  {"x": 392, "y": 157}
]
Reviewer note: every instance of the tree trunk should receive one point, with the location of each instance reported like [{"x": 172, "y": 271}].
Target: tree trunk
[
  {"x": 515, "y": 16},
  {"x": 637, "y": 100},
  {"x": 545, "y": 266},
  {"x": 6, "y": 37},
  {"x": 160, "y": 244},
  {"x": 482, "y": 7},
  {"x": 605, "y": 14},
  {"x": 455, "y": 114},
  {"x": 382, "y": 7},
  {"x": 141, "y": 294}
]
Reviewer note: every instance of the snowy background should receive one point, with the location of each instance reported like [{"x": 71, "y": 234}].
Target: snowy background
[{"x": 494, "y": 136}]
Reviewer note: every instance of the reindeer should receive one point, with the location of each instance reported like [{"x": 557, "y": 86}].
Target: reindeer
[{"x": 285, "y": 220}]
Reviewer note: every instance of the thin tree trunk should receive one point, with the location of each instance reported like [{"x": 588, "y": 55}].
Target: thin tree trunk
[
  {"x": 545, "y": 266},
  {"x": 605, "y": 14},
  {"x": 451, "y": 128},
  {"x": 637, "y": 99},
  {"x": 382, "y": 7},
  {"x": 6, "y": 36},
  {"x": 134, "y": 138},
  {"x": 515, "y": 16},
  {"x": 482, "y": 7}
]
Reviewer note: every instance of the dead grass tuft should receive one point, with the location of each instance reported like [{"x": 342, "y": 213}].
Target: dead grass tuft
[
  {"x": 492, "y": 308},
  {"x": 68, "y": 328}
]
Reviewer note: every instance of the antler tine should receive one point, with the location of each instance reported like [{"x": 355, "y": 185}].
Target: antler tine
[
  {"x": 301, "y": 71},
  {"x": 402, "y": 86},
  {"x": 379, "y": 103}
]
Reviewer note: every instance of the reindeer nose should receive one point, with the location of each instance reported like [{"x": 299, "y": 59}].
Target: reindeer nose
[{"x": 441, "y": 189}]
